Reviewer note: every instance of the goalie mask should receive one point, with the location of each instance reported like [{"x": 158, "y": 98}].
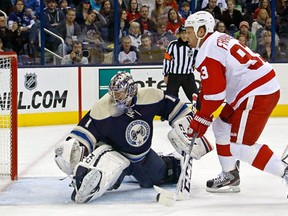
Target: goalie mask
[{"x": 122, "y": 89}]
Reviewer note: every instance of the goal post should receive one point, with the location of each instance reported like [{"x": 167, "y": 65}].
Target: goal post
[{"x": 8, "y": 115}]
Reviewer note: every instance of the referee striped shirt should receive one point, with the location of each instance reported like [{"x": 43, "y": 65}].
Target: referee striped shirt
[{"x": 178, "y": 58}]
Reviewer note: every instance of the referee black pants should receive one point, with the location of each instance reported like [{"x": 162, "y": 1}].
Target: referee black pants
[{"x": 186, "y": 81}]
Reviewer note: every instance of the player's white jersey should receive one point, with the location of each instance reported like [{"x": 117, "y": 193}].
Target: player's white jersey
[{"x": 231, "y": 71}]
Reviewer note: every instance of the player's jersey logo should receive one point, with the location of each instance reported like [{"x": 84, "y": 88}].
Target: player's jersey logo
[{"x": 137, "y": 133}]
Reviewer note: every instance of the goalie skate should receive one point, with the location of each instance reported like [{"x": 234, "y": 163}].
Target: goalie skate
[
  {"x": 86, "y": 188},
  {"x": 225, "y": 182}
]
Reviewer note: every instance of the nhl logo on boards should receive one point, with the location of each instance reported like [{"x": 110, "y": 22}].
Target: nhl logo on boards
[{"x": 30, "y": 81}]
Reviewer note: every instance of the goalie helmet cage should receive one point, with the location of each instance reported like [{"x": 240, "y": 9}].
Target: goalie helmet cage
[{"x": 8, "y": 115}]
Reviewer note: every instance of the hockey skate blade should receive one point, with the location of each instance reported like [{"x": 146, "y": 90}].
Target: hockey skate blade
[
  {"x": 225, "y": 189},
  {"x": 165, "y": 197}
]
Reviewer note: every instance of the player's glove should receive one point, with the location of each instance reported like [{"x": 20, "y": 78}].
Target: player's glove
[{"x": 199, "y": 125}]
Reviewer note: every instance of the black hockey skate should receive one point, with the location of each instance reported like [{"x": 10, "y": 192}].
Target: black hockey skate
[{"x": 226, "y": 182}]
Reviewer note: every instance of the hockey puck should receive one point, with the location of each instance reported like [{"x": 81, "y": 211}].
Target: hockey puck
[{"x": 158, "y": 197}]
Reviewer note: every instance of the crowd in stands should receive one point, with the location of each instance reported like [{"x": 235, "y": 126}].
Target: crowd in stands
[{"x": 146, "y": 27}]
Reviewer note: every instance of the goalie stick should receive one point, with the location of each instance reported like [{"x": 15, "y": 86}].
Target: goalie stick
[{"x": 183, "y": 187}]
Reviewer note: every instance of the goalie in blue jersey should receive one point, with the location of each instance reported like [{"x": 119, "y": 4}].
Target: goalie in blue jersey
[{"x": 113, "y": 140}]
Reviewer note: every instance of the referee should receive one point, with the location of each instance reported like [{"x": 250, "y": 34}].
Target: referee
[{"x": 178, "y": 66}]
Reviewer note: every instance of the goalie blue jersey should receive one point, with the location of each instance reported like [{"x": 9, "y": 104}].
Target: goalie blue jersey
[{"x": 130, "y": 132}]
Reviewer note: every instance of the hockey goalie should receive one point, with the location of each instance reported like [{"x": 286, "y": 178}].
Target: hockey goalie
[{"x": 114, "y": 138}]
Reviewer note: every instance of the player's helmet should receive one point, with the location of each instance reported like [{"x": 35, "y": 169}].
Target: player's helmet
[
  {"x": 122, "y": 88},
  {"x": 201, "y": 18}
]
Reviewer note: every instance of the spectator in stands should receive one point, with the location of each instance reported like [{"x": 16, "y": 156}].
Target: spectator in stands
[
  {"x": 260, "y": 22},
  {"x": 283, "y": 25},
  {"x": 213, "y": 9},
  {"x": 252, "y": 5},
  {"x": 92, "y": 40},
  {"x": 282, "y": 11},
  {"x": 82, "y": 11},
  {"x": 280, "y": 4},
  {"x": 160, "y": 13},
  {"x": 122, "y": 4},
  {"x": 172, "y": 4},
  {"x": 150, "y": 5},
  {"x": 162, "y": 38},
  {"x": 266, "y": 27},
  {"x": 220, "y": 3},
  {"x": 34, "y": 5},
  {"x": 185, "y": 10},
  {"x": 70, "y": 31},
  {"x": 64, "y": 6},
  {"x": 53, "y": 17},
  {"x": 174, "y": 21},
  {"x": 5, "y": 34},
  {"x": 231, "y": 17},
  {"x": 128, "y": 53},
  {"x": 108, "y": 13},
  {"x": 96, "y": 4},
  {"x": 2, "y": 49},
  {"x": 90, "y": 31},
  {"x": 147, "y": 26},
  {"x": 25, "y": 28},
  {"x": 132, "y": 11},
  {"x": 221, "y": 27},
  {"x": 263, "y": 4},
  {"x": 101, "y": 24},
  {"x": 283, "y": 34},
  {"x": 242, "y": 39},
  {"x": 6, "y": 6},
  {"x": 251, "y": 41},
  {"x": 264, "y": 47},
  {"x": 135, "y": 34},
  {"x": 124, "y": 24},
  {"x": 76, "y": 55},
  {"x": 148, "y": 52}
]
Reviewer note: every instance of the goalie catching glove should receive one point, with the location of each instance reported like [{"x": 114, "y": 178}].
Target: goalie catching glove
[
  {"x": 68, "y": 153},
  {"x": 180, "y": 138}
]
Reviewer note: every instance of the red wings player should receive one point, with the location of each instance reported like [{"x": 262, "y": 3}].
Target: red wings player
[{"x": 248, "y": 84}]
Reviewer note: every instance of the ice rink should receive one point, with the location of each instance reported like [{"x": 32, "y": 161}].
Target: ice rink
[{"x": 40, "y": 192}]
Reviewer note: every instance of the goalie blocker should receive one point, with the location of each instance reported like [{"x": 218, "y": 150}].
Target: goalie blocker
[{"x": 180, "y": 140}]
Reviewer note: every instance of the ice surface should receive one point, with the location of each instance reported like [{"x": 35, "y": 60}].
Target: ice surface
[{"x": 40, "y": 192}]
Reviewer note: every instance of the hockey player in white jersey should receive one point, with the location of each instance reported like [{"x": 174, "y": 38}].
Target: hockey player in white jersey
[
  {"x": 247, "y": 83},
  {"x": 114, "y": 140}
]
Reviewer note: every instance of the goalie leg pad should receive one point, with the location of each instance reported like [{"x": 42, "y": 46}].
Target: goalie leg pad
[
  {"x": 67, "y": 154},
  {"x": 181, "y": 143},
  {"x": 97, "y": 173}
]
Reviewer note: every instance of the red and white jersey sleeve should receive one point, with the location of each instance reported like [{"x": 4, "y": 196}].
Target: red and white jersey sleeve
[{"x": 231, "y": 72}]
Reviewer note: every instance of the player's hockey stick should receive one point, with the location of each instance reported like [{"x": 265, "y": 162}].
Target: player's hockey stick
[{"x": 183, "y": 187}]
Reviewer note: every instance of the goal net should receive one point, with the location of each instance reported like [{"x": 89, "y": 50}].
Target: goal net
[{"x": 8, "y": 114}]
